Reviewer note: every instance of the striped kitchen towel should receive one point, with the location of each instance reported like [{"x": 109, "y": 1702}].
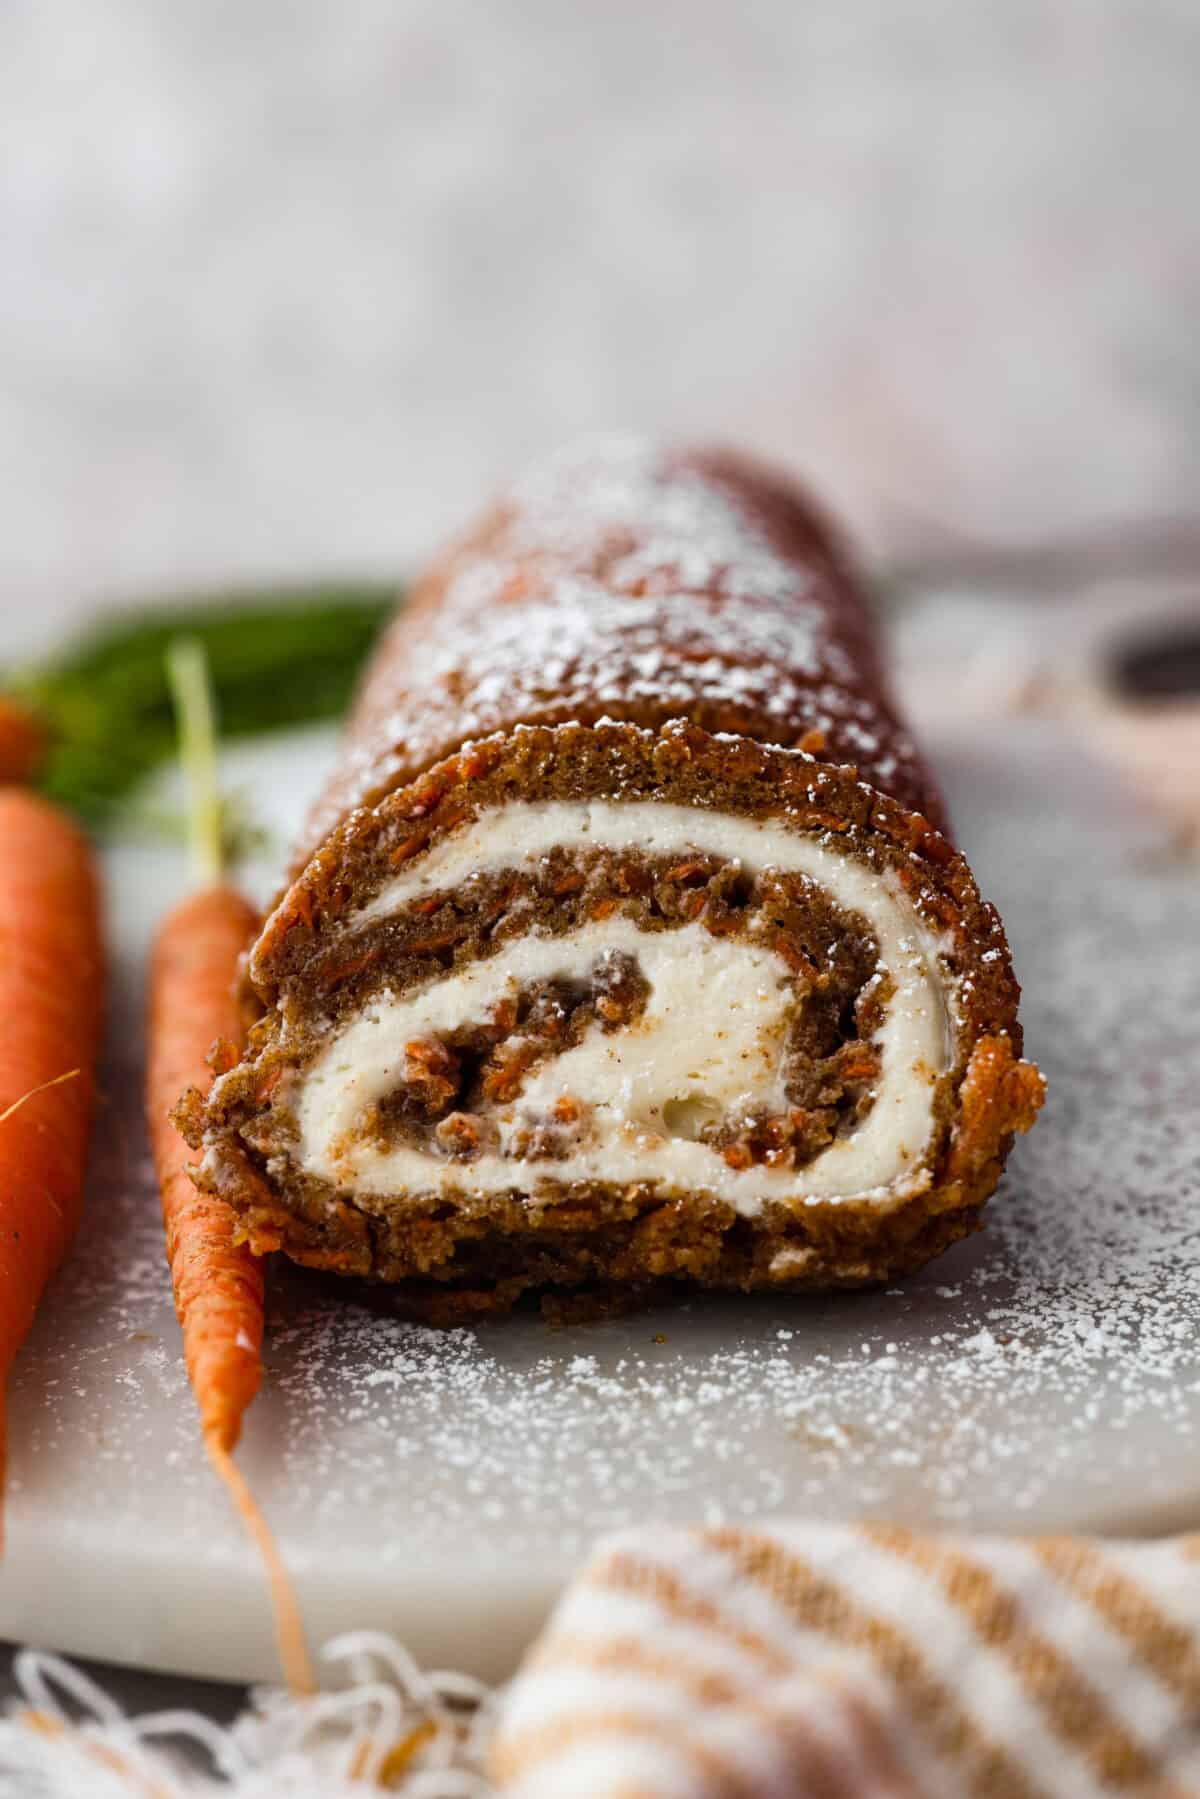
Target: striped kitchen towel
[
  {"x": 862, "y": 1662},
  {"x": 800, "y": 1662}
]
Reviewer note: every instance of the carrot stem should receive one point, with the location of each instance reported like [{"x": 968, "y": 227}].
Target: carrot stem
[
  {"x": 23, "y": 741},
  {"x": 191, "y": 690}
]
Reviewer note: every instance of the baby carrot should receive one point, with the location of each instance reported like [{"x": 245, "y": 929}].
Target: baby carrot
[
  {"x": 218, "y": 1283},
  {"x": 51, "y": 1005}
]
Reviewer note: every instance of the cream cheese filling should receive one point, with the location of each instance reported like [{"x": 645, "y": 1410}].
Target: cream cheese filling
[{"x": 710, "y": 1041}]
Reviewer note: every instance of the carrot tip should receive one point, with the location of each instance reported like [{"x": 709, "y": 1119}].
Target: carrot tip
[{"x": 289, "y": 1627}]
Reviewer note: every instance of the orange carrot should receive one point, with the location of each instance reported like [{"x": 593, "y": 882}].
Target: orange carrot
[
  {"x": 22, "y": 741},
  {"x": 218, "y": 1283},
  {"x": 51, "y": 1005}
]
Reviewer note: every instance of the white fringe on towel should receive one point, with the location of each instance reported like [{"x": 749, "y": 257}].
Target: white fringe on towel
[{"x": 391, "y": 1727}]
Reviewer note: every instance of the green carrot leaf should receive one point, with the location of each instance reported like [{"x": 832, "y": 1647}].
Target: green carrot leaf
[{"x": 276, "y": 658}]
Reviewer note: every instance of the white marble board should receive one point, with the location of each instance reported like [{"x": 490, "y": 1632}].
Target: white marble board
[{"x": 442, "y": 1486}]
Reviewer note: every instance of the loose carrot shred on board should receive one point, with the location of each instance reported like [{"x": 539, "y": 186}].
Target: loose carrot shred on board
[
  {"x": 218, "y": 1283},
  {"x": 52, "y": 1003}
]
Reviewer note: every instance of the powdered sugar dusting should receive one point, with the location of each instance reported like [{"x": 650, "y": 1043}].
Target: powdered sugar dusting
[
  {"x": 1046, "y": 1374},
  {"x": 620, "y": 579}
]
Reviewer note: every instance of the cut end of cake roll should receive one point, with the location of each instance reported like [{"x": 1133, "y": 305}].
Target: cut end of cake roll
[{"x": 608, "y": 1006}]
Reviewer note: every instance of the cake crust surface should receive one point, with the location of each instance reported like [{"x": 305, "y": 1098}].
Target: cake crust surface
[{"x": 627, "y": 947}]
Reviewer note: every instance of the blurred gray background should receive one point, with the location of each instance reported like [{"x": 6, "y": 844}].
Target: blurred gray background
[{"x": 286, "y": 286}]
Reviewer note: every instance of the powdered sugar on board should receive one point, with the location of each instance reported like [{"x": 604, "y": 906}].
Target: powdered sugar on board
[{"x": 1046, "y": 1374}]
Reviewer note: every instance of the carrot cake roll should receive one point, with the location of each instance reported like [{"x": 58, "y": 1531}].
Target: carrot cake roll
[{"x": 628, "y": 944}]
